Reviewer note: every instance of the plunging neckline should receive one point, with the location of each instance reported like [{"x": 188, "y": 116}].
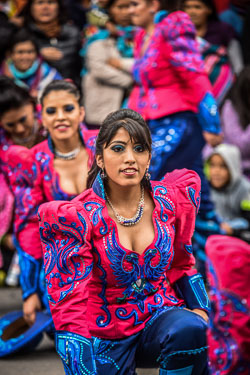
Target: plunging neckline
[{"x": 153, "y": 217}]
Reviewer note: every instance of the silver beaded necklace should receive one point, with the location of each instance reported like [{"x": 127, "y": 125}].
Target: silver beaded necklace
[
  {"x": 136, "y": 218},
  {"x": 67, "y": 155}
]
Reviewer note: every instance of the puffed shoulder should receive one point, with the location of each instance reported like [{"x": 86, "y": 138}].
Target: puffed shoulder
[
  {"x": 19, "y": 155},
  {"x": 182, "y": 178},
  {"x": 64, "y": 217},
  {"x": 67, "y": 209},
  {"x": 59, "y": 208},
  {"x": 178, "y": 23}
]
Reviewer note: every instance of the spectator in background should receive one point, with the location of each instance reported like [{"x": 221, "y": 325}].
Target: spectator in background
[
  {"x": 18, "y": 126},
  {"x": 77, "y": 10},
  {"x": 228, "y": 186},
  {"x": 109, "y": 65},
  {"x": 235, "y": 117},
  {"x": 58, "y": 42},
  {"x": 25, "y": 66},
  {"x": 209, "y": 27}
]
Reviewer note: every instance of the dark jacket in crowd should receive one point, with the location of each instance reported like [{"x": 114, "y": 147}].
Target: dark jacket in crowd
[{"x": 69, "y": 43}]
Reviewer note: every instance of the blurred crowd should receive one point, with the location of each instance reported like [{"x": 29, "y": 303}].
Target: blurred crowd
[{"x": 92, "y": 44}]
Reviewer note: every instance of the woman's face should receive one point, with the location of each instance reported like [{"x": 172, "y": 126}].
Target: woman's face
[
  {"x": 219, "y": 175},
  {"x": 23, "y": 55},
  {"x": 124, "y": 160},
  {"x": 142, "y": 12},
  {"x": 119, "y": 12},
  {"x": 198, "y": 12},
  {"x": 18, "y": 123},
  {"x": 61, "y": 115},
  {"x": 44, "y": 11}
]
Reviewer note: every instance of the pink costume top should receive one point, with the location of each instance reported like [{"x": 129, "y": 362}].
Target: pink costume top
[
  {"x": 170, "y": 75},
  {"x": 34, "y": 181},
  {"x": 6, "y": 197},
  {"x": 96, "y": 287}
]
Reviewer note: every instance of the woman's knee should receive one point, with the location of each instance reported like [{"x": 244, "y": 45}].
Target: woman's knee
[{"x": 187, "y": 332}]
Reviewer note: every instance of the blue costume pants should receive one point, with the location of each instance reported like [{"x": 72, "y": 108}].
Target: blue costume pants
[
  {"x": 174, "y": 340},
  {"x": 178, "y": 143}
]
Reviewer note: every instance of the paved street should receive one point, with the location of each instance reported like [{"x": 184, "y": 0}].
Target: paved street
[{"x": 42, "y": 361}]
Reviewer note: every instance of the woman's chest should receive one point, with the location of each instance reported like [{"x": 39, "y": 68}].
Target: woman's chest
[
  {"x": 62, "y": 180},
  {"x": 121, "y": 265},
  {"x": 71, "y": 175}
]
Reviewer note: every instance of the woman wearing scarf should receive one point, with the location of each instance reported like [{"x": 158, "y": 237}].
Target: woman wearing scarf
[
  {"x": 25, "y": 65},
  {"x": 58, "y": 42}
]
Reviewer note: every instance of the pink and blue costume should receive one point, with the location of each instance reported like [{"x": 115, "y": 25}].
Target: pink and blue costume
[
  {"x": 34, "y": 181},
  {"x": 173, "y": 93},
  {"x": 113, "y": 307}
]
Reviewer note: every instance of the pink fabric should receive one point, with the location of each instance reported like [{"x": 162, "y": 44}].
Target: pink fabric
[
  {"x": 81, "y": 240},
  {"x": 35, "y": 181},
  {"x": 6, "y": 206},
  {"x": 229, "y": 330},
  {"x": 6, "y": 197},
  {"x": 170, "y": 76}
]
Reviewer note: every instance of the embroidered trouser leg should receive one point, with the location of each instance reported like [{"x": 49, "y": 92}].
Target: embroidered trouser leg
[
  {"x": 177, "y": 143},
  {"x": 173, "y": 340}
]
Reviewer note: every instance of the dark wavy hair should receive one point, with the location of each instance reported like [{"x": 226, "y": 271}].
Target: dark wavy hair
[
  {"x": 239, "y": 94},
  {"x": 61, "y": 85},
  {"x": 133, "y": 123},
  {"x": 26, "y": 13},
  {"x": 169, "y": 5},
  {"x": 22, "y": 36},
  {"x": 13, "y": 96},
  {"x": 211, "y": 5}
]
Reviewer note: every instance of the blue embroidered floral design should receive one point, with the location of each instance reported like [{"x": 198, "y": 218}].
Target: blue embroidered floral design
[
  {"x": 160, "y": 194},
  {"x": 76, "y": 353},
  {"x": 63, "y": 254},
  {"x": 137, "y": 277},
  {"x": 101, "y": 350},
  {"x": 96, "y": 215},
  {"x": 191, "y": 196},
  {"x": 102, "y": 321},
  {"x": 189, "y": 249},
  {"x": 44, "y": 161}
]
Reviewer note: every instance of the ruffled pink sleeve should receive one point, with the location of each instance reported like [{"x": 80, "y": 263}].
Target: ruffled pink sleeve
[
  {"x": 65, "y": 235},
  {"x": 184, "y": 55},
  {"x": 186, "y": 185}
]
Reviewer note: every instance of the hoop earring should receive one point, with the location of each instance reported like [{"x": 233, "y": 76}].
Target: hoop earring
[{"x": 103, "y": 174}]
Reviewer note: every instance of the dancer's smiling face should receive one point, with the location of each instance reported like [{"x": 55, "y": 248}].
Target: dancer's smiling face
[{"x": 61, "y": 114}]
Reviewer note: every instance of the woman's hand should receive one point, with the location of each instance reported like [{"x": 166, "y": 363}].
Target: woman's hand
[
  {"x": 30, "y": 306},
  {"x": 212, "y": 139},
  {"x": 114, "y": 62},
  {"x": 200, "y": 312},
  {"x": 51, "y": 53},
  {"x": 111, "y": 28},
  {"x": 227, "y": 229},
  {"x": 7, "y": 241}
]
